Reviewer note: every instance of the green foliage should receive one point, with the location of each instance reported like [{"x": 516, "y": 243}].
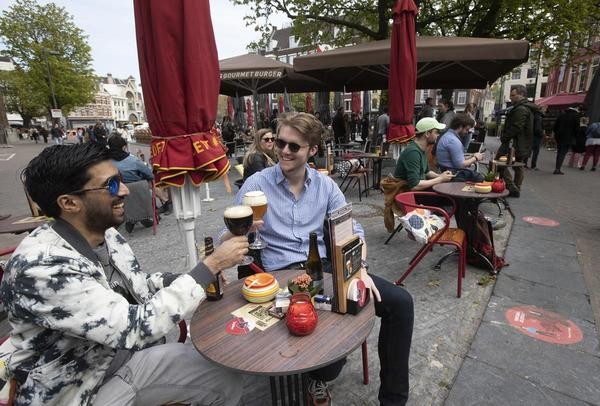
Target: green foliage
[
  {"x": 43, "y": 41},
  {"x": 490, "y": 176},
  {"x": 559, "y": 25},
  {"x": 21, "y": 95}
]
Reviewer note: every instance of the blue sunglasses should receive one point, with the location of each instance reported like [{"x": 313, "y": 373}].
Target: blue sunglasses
[{"x": 112, "y": 185}]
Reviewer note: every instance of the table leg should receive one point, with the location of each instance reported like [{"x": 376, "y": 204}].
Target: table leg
[{"x": 288, "y": 390}]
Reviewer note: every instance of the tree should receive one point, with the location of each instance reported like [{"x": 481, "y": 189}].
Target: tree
[
  {"x": 21, "y": 96},
  {"x": 557, "y": 24},
  {"x": 48, "y": 49}
]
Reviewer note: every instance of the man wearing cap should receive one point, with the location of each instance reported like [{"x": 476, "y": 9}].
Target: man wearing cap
[{"x": 412, "y": 165}]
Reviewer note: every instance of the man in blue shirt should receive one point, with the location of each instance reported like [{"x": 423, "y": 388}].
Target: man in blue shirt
[
  {"x": 299, "y": 199},
  {"x": 450, "y": 154}
]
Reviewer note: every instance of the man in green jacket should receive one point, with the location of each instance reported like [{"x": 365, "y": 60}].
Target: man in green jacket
[{"x": 518, "y": 128}]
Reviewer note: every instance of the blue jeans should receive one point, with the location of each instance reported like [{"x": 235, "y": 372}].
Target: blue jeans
[{"x": 395, "y": 336}]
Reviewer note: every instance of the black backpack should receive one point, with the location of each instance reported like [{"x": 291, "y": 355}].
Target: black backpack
[{"x": 483, "y": 253}]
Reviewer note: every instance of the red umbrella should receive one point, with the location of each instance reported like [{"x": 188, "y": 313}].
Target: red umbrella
[
  {"x": 179, "y": 70},
  {"x": 356, "y": 102},
  {"x": 402, "y": 79},
  {"x": 230, "y": 111},
  {"x": 249, "y": 116},
  {"x": 281, "y": 105},
  {"x": 309, "y": 103}
]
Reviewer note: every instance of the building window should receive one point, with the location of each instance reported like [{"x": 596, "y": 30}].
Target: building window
[
  {"x": 595, "y": 63},
  {"x": 424, "y": 95},
  {"x": 530, "y": 90},
  {"x": 545, "y": 71},
  {"x": 573, "y": 81},
  {"x": 531, "y": 73},
  {"x": 462, "y": 98},
  {"x": 582, "y": 77},
  {"x": 516, "y": 74}
]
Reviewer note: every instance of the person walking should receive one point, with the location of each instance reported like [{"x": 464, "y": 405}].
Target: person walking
[
  {"x": 538, "y": 136},
  {"x": 383, "y": 122},
  {"x": 57, "y": 134},
  {"x": 578, "y": 148},
  {"x": 338, "y": 125},
  {"x": 446, "y": 112},
  {"x": 565, "y": 130},
  {"x": 428, "y": 109},
  {"x": 592, "y": 146},
  {"x": 518, "y": 131}
]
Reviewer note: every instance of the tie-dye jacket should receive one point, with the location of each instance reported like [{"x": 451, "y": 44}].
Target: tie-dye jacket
[{"x": 66, "y": 321}]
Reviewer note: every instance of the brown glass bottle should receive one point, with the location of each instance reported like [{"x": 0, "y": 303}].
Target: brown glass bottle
[
  {"x": 314, "y": 266},
  {"x": 214, "y": 291}
]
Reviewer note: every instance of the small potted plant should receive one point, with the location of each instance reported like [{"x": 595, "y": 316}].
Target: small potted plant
[{"x": 302, "y": 283}]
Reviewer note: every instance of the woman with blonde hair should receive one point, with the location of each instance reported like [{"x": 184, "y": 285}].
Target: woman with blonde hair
[{"x": 261, "y": 153}]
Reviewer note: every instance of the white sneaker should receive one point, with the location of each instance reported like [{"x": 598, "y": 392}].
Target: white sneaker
[{"x": 318, "y": 393}]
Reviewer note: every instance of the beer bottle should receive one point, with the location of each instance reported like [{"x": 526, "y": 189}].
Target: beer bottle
[
  {"x": 214, "y": 291},
  {"x": 314, "y": 266}
]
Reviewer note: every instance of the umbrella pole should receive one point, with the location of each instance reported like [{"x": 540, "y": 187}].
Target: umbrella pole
[{"x": 186, "y": 207}]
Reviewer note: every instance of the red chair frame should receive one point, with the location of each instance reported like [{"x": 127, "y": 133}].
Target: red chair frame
[{"x": 445, "y": 236}]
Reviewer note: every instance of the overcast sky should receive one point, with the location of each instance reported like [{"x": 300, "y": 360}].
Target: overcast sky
[{"x": 110, "y": 28}]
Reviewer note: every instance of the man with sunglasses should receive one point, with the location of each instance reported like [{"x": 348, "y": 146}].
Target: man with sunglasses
[
  {"x": 299, "y": 199},
  {"x": 88, "y": 325}
]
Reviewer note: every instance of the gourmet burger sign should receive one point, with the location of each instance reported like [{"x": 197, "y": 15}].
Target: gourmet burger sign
[{"x": 255, "y": 74}]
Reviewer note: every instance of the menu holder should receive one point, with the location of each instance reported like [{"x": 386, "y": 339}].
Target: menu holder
[
  {"x": 346, "y": 253},
  {"x": 350, "y": 294}
]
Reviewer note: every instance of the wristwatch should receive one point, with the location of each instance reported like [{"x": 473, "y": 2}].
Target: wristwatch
[{"x": 364, "y": 264}]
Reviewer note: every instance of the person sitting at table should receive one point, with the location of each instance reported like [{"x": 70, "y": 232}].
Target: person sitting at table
[
  {"x": 261, "y": 154},
  {"x": 132, "y": 170},
  {"x": 88, "y": 325},
  {"x": 412, "y": 165},
  {"x": 450, "y": 154},
  {"x": 299, "y": 199}
]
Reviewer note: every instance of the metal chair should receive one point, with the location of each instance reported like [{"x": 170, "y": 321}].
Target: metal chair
[
  {"x": 352, "y": 174},
  {"x": 445, "y": 236}
]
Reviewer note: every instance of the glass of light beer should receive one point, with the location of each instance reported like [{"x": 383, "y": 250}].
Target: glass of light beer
[
  {"x": 257, "y": 200},
  {"x": 238, "y": 220}
]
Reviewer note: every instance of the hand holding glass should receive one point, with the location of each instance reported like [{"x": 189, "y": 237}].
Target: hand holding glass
[
  {"x": 258, "y": 202},
  {"x": 238, "y": 220}
]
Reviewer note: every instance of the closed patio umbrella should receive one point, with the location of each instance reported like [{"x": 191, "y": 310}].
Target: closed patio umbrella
[
  {"x": 230, "y": 111},
  {"x": 308, "y": 103},
  {"x": 281, "y": 105},
  {"x": 403, "y": 72},
  {"x": 181, "y": 103},
  {"x": 356, "y": 102},
  {"x": 249, "y": 115}
]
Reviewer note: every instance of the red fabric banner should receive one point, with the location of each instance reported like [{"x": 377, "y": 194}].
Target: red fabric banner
[
  {"x": 402, "y": 79},
  {"x": 179, "y": 69}
]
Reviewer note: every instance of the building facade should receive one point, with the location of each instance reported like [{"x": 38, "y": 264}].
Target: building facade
[{"x": 117, "y": 102}]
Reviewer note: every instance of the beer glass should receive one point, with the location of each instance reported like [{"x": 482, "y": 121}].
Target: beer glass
[
  {"x": 238, "y": 220},
  {"x": 258, "y": 202}
]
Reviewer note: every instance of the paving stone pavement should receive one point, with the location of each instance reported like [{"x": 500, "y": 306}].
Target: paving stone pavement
[{"x": 444, "y": 324}]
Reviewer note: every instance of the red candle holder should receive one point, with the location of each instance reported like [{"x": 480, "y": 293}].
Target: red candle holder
[{"x": 301, "y": 317}]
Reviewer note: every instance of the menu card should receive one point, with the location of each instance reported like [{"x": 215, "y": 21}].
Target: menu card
[{"x": 345, "y": 258}]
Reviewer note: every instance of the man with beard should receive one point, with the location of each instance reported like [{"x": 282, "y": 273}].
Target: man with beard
[
  {"x": 413, "y": 166},
  {"x": 88, "y": 325}
]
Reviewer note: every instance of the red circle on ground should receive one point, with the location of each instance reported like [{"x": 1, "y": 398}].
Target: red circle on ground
[
  {"x": 541, "y": 221},
  {"x": 543, "y": 325}
]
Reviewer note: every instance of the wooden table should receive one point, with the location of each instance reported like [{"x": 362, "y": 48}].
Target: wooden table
[
  {"x": 20, "y": 224},
  {"x": 275, "y": 352},
  {"x": 468, "y": 207}
]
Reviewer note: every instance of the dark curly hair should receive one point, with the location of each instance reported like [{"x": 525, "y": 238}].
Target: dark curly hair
[{"x": 58, "y": 170}]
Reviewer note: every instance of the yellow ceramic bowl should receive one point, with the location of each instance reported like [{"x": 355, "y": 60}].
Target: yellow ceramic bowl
[
  {"x": 482, "y": 188},
  {"x": 260, "y": 295}
]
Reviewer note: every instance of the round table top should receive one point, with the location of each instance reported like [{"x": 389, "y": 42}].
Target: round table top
[
  {"x": 275, "y": 351},
  {"x": 372, "y": 155},
  {"x": 21, "y": 224},
  {"x": 455, "y": 189}
]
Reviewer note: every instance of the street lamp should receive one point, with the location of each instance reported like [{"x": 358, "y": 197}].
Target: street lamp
[{"x": 47, "y": 52}]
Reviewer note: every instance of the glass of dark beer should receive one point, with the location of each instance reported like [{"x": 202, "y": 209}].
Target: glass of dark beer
[
  {"x": 238, "y": 220},
  {"x": 258, "y": 202}
]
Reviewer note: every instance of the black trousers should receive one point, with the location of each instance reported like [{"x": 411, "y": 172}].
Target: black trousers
[{"x": 561, "y": 153}]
